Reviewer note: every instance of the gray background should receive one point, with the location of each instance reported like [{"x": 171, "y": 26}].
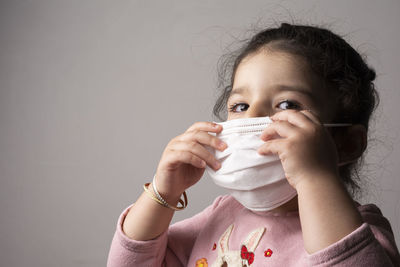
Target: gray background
[{"x": 92, "y": 91}]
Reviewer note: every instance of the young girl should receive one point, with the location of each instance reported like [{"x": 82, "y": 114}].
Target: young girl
[{"x": 299, "y": 101}]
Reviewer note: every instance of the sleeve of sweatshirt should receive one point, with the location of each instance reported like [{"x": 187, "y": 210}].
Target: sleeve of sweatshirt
[
  {"x": 171, "y": 248},
  {"x": 372, "y": 244}
]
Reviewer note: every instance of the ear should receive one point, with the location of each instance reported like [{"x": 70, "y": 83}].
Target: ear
[
  {"x": 223, "y": 241},
  {"x": 351, "y": 142},
  {"x": 253, "y": 238}
]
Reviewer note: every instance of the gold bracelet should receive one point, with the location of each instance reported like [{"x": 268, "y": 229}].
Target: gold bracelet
[
  {"x": 151, "y": 195},
  {"x": 163, "y": 203}
]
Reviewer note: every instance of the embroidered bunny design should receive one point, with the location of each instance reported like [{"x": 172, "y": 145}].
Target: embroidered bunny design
[{"x": 237, "y": 258}]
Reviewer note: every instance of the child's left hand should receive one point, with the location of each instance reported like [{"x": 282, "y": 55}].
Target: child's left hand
[{"x": 304, "y": 146}]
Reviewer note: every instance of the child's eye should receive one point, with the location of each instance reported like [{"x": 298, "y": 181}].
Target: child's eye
[
  {"x": 232, "y": 108},
  {"x": 287, "y": 104}
]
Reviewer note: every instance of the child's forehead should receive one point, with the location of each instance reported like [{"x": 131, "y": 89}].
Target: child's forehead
[
  {"x": 273, "y": 68},
  {"x": 275, "y": 60}
]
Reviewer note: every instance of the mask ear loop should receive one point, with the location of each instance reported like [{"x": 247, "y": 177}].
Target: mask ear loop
[
  {"x": 336, "y": 124},
  {"x": 345, "y": 162}
]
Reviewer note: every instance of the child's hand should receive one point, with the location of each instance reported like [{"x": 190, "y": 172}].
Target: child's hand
[
  {"x": 184, "y": 159},
  {"x": 305, "y": 147}
]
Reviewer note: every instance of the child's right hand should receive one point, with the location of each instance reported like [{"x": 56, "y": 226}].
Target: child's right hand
[{"x": 184, "y": 159}]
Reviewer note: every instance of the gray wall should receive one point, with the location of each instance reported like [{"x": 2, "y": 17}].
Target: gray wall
[{"x": 92, "y": 91}]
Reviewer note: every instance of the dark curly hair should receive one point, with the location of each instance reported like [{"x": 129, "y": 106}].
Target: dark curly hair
[{"x": 330, "y": 57}]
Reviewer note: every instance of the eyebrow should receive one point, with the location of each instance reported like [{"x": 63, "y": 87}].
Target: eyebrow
[{"x": 302, "y": 90}]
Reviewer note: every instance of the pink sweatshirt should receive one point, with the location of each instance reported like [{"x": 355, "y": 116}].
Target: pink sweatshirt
[{"x": 228, "y": 232}]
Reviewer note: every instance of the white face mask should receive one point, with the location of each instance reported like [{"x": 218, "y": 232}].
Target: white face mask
[{"x": 257, "y": 181}]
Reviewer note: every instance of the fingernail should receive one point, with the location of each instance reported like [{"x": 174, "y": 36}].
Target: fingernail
[{"x": 222, "y": 145}]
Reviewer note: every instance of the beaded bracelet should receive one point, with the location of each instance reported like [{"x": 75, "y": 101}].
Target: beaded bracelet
[{"x": 157, "y": 197}]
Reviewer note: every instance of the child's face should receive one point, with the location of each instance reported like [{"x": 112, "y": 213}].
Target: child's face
[{"x": 271, "y": 81}]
